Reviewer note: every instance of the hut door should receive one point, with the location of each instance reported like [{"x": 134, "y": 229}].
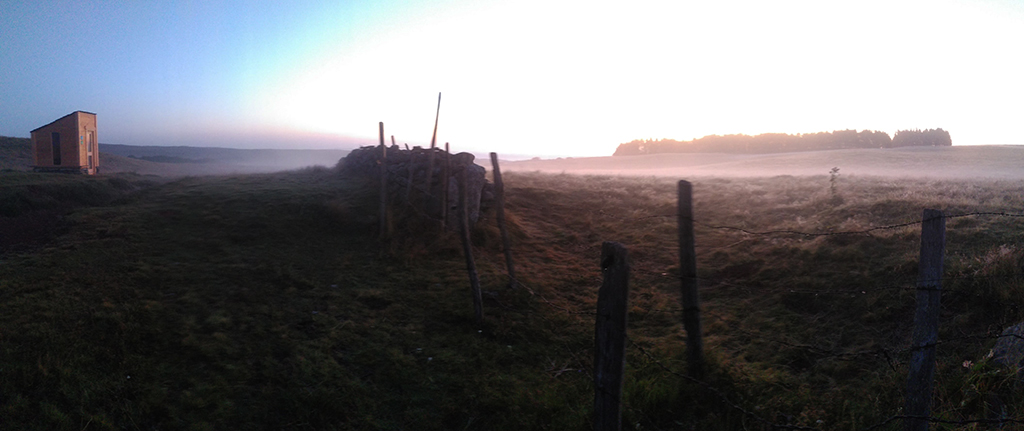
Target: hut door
[
  {"x": 55, "y": 144},
  {"x": 89, "y": 148}
]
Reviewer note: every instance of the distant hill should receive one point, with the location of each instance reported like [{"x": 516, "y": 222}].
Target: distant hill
[
  {"x": 785, "y": 143},
  {"x": 16, "y": 154}
]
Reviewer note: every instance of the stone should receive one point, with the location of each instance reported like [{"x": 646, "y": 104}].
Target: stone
[{"x": 1009, "y": 349}]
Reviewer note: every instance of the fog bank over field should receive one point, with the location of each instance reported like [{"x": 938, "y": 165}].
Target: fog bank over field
[
  {"x": 256, "y": 160},
  {"x": 968, "y": 162}
]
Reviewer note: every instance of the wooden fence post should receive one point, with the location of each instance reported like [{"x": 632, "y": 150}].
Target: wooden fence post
[
  {"x": 467, "y": 248},
  {"x": 412, "y": 177},
  {"x": 610, "y": 337},
  {"x": 688, "y": 276},
  {"x": 445, "y": 183},
  {"x": 383, "y": 184},
  {"x": 926, "y": 319},
  {"x": 430, "y": 160},
  {"x": 430, "y": 179},
  {"x": 499, "y": 197},
  {"x": 437, "y": 115}
]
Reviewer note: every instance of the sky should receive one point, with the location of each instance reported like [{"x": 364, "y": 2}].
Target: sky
[{"x": 546, "y": 78}]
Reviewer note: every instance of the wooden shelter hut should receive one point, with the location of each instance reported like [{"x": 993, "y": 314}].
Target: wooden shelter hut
[{"x": 68, "y": 144}]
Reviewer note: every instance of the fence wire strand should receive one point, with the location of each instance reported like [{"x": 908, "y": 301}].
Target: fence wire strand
[
  {"x": 889, "y": 354},
  {"x": 867, "y": 231}
]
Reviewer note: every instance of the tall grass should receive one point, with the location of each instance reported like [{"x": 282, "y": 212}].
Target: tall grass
[
  {"x": 800, "y": 329},
  {"x": 262, "y": 302}
]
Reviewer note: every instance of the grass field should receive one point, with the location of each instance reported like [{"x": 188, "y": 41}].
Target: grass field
[
  {"x": 265, "y": 302},
  {"x": 958, "y": 162}
]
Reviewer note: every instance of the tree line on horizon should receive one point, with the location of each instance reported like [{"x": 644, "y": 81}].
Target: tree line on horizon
[{"x": 783, "y": 142}]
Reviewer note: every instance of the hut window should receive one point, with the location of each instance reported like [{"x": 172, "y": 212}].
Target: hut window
[{"x": 55, "y": 140}]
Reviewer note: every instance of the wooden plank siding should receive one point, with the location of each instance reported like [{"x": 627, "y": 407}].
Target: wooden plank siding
[{"x": 77, "y": 131}]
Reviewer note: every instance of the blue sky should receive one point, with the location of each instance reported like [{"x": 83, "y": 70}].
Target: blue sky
[{"x": 527, "y": 77}]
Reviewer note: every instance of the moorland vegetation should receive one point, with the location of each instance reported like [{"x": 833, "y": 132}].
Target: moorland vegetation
[
  {"x": 16, "y": 155},
  {"x": 263, "y": 301}
]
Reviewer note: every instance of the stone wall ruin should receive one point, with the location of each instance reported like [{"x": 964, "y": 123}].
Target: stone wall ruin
[{"x": 413, "y": 165}]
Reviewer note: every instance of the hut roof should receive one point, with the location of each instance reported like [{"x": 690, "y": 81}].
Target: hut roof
[{"x": 61, "y": 118}]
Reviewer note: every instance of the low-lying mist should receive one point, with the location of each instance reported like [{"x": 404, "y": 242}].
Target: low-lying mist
[{"x": 992, "y": 162}]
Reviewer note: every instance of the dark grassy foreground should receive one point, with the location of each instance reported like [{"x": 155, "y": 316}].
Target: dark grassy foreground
[{"x": 262, "y": 302}]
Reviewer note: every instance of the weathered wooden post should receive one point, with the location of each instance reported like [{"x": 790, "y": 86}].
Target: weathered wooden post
[
  {"x": 383, "y": 184},
  {"x": 499, "y": 197},
  {"x": 926, "y": 319},
  {"x": 412, "y": 176},
  {"x": 430, "y": 179},
  {"x": 688, "y": 276},
  {"x": 408, "y": 186},
  {"x": 445, "y": 183},
  {"x": 467, "y": 248},
  {"x": 430, "y": 160},
  {"x": 610, "y": 337},
  {"x": 437, "y": 115}
]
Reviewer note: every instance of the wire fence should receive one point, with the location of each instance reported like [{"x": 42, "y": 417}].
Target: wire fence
[
  {"x": 891, "y": 355},
  {"x": 891, "y": 352}
]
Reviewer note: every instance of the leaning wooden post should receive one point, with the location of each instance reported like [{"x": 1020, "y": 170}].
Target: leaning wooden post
[
  {"x": 430, "y": 159},
  {"x": 688, "y": 275},
  {"x": 446, "y": 174},
  {"x": 383, "y": 184},
  {"x": 467, "y": 248},
  {"x": 926, "y": 319},
  {"x": 499, "y": 197},
  {"x": 610, "y": 337},
  {"x": 429, "y": 180},
  {"x": 408, "y": 186},
  {"x": 437, "y": 115},
  {"x": 412, "y": 177}
]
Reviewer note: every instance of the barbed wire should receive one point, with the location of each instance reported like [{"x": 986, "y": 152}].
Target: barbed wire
[
  {"x": 534, "y": 292},
  {"x": 911, "y": 283},
  {"x": 889, "y": 354},
  {"x": 867, "y": 231}
]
